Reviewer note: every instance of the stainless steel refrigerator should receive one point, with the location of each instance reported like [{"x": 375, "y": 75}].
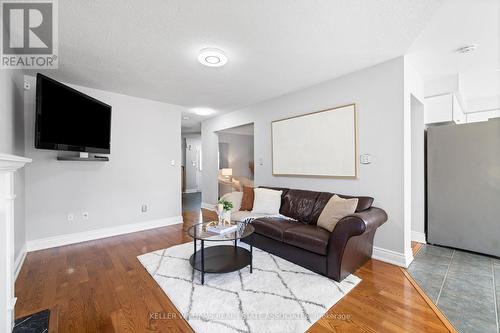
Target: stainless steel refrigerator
[{"x": 463, "y": 186}]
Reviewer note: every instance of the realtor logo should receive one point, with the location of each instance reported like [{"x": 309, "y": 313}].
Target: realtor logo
[{"x": 29, "y": 34}]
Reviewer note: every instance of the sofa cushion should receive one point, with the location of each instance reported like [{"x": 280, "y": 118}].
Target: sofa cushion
[
  {"x": 266, "y": 201},
  {"x": 308, "y": 237},
  {"x": 363, "y": 204},
  {"x": 320, "y": 203},
  {"x": 247, "y": 198},
  {"x": 336, "y": 209},
  {"x": 273, "y": 227},
  {"x": 283, "y": 189},
  {"x": 299, "y": 204}
]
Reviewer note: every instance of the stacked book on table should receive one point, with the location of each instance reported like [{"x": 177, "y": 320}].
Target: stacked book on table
[{"x": 222, "y": 229}]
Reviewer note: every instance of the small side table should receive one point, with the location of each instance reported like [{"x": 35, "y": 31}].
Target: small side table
[{"x": 220, "y": 258}]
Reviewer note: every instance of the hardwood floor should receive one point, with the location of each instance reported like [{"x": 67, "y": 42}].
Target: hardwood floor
[
  {"x": 100, "y": 286},
  {"x": 415, "y": 247}
]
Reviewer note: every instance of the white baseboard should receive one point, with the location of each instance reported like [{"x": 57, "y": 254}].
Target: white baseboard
[
  {"x": 18, "y": 262},
  {"x": 392, "y": 257},
  {"x": 208, "y": 206},
  {"x": 45, "y": 243},
  {"x": 192, "y": 190},
  {"x": 418, "y": 237}
]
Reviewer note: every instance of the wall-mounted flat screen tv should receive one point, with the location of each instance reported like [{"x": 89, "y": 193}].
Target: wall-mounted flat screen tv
[{"x": 67, "y": 119}]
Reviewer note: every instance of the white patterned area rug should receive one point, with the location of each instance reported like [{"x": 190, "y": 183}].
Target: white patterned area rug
[{"x": 278, "y": 296}]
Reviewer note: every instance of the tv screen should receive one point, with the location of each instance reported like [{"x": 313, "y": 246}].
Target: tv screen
[{"x": 67, "y": 119}]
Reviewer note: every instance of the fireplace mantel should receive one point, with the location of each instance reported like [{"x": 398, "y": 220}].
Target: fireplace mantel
[
  {"x": 8, "y": 165},
  {"x": 11, "y": 163}
]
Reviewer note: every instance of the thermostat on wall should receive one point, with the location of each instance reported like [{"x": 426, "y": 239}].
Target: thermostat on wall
[{"x": 365, "y": 159}]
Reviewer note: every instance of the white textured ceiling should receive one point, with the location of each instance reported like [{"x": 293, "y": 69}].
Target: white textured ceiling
[
  {"x": 149, "y": 48},
  {"x": 458, "y": 23},
  {"x": 191, "y": 123}
]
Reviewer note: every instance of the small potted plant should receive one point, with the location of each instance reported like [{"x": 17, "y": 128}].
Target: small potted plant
[{"x": 224, "y": 210}]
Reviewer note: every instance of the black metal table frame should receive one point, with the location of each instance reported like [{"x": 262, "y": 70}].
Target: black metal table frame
[{"x": 203, "y": 257}]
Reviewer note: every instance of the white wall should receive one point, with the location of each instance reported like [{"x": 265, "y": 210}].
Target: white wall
[
  {"x": 414, "y": 92},
  {"x": 8, "y": 92},
  {"x": 474, "y": 117},
  {"x": 12, "y": 142},
  {"x": 417, "y": 171},
  {"x": 240, "y": 153},
  {"x": 145, "y": 137},
  {"x": 378, "y": 92},
  {"x": 442, "y": 85}
]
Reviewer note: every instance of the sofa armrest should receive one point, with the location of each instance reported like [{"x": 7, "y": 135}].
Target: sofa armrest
[
  {"x": 358, "y": 223},
  {"x": 345, "y": 255}
]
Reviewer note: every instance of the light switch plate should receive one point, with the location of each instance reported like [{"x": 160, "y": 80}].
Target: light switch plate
[{"x": 365, "y": 159}]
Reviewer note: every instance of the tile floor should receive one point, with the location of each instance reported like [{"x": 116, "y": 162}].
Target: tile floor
[
  {"x": 465, "y": 286},
  {"x": 191, "y": 202}
]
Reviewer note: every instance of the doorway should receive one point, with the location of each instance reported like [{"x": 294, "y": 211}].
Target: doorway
[
  {"x": 236, "y": 159},
  {"x": 191, "y": 172}
]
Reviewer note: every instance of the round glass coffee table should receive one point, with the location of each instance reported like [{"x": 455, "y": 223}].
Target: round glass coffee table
[{"x": 220, "y": 258}]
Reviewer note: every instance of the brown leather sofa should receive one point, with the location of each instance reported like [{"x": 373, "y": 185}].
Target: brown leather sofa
[{"x": 334, "y": 254}]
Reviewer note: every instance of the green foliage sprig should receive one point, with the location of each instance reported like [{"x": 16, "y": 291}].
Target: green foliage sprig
[{"x": 226, "y": 205}]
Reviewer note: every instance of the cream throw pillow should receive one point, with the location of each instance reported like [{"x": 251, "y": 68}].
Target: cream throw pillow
[
  {"x": 266, "y": 201},
  {"x": 335, "y": 209}
]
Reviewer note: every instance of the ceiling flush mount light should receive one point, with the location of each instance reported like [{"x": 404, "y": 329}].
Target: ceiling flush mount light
[
  {"x": 203, "y": 111},
  {"x": 467, "y": 49},
  {"x": 212, "y": 57}
]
